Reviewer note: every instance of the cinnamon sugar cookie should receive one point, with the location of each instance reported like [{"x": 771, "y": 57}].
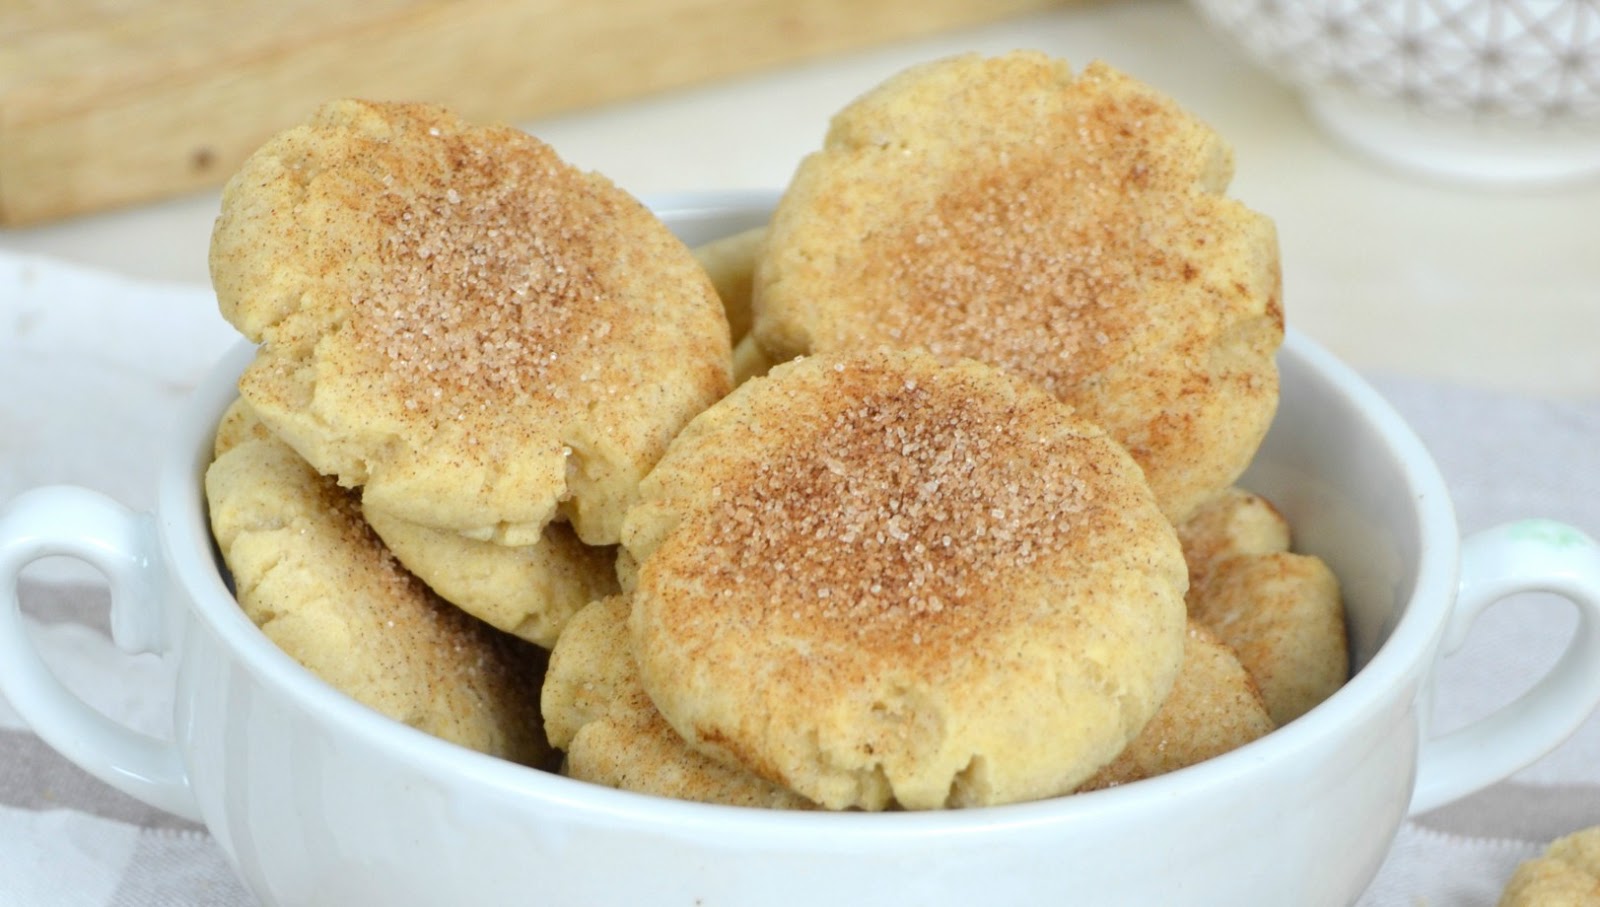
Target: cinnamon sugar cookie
[
  {"x": 1567, "y": 874},
  {"x": 479, "y": 335},
  {"x": 596, "y": 711},
  {"x": 308, "y": 571},
  {"x": 875, "y": 579},
  {"x": 730, "y": 262},
  {"x": 1282, "y": 613},
  {"x": 530, "y": 591},
  {"x": 1071, "y": 230},
  {"x": 1234, "y": 523},
  {"x": 1214, "y": 707}
]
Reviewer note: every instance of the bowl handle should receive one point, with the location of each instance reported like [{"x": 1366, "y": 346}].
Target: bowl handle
[
  {"x": 123, "y": 546},
  {"x": 1527, "y": 556}
]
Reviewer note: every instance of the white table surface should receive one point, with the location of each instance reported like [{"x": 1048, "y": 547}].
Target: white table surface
[{"x": 1490, "y": 288}]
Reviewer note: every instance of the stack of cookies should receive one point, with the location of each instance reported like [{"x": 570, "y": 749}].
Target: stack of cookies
[
  {"x": 920, "y": 496},
  {"x": 475, "y": 352}
]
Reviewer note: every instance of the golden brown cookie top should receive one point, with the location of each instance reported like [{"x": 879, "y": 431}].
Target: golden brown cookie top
[
  {"x": 883, "y": 516},
  {"x": 450, "y": 313},
  {"x": 855, "y": 574},
  {"x": 1068, "y": 229}
]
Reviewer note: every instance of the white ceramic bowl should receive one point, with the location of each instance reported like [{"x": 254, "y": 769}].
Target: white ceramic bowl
[
  {"x": 317, "y": 800},
  {"x": 1488, "y": 91}
]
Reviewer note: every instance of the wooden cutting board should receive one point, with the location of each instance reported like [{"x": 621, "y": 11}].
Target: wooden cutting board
[{"x": 107, "y": 102}]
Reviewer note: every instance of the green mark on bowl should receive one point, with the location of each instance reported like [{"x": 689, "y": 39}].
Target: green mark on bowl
[{"x": 1550, "y": 532}]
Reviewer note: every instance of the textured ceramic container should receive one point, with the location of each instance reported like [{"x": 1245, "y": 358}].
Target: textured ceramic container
[
  {"x": 317, "y": 800},
  {"x": 1497, "y": 92}
]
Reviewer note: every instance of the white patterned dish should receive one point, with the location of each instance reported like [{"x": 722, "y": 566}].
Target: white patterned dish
[{"x": 1502, "y": 92}]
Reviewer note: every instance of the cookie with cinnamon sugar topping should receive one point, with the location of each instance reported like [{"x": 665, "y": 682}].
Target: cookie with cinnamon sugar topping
[
  {"x": 310, "y": 573},
  {"x": 1567, "y": 874},
  {"x": 1233, "y": 523},
  {"x": 479, "y": 335},
  {"x": 598, "y": 714},
  {"x": 730, "y": 262},
  {"x": 1281, "y": 612},
  {"x": 529, "y": 591},
  {"x": 1214, "y": 707},
  {"x": 878, "y": 579},
  {"x": 1070, "y": 229}
]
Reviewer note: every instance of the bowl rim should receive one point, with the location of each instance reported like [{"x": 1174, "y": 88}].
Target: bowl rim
[{"x": 1409, "y": 649}]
